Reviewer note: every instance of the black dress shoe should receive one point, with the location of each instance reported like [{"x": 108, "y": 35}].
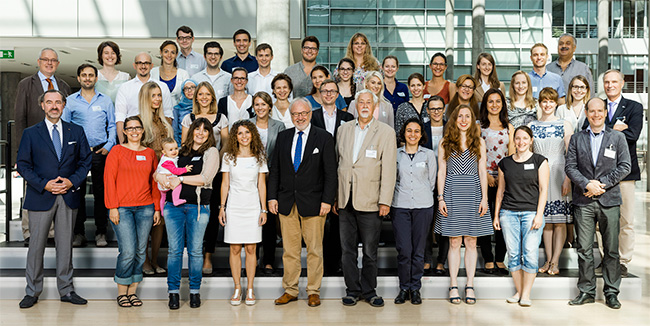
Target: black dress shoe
[
  {"x": 415, "y": 297},
  {"x": 28, "y": 301},
  {"x": 73, "y": 298},
  {"x": 581, "y": 299},
  {"x": 267, "y": 271},
  {"x": 26, "y": 242},
  {"x": 402, "y": 296},
  {"x": 440, "y": 272},
  {"x": 623, "y": 271},
  {"x": 174, "y": 301},
  {"x": 195, "y": 300},
  {"x": 612, "y": 301}
]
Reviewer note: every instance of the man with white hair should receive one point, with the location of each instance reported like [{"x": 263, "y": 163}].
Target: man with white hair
[
  {"x": 566, "y": 65},
  {"x": 367, "y": 155}
]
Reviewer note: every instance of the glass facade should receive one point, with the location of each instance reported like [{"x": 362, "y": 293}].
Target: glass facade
[{"x": 628, "y": 18}]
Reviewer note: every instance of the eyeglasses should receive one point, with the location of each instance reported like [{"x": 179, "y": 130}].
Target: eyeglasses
[
  {"x": 437, "y": 109},
  {"x": 49, "y": 60},
  {"x": 579, "y": 88},
  {"x": 184, "y": 38},
  {"x": 329, "y": 91},
  {"x": 471, "y": 88},
  {"x": 142, "y": 63},
  {"x": 239, "y": 78},
  {"x": 439, "y": 64},
  {"x": 132, "y": 129},
  {"x": 187, "y": 88},
  {"x": 300, "y": 114},
  {"x": 212, "y": 54},
  {"x": 309, "y": 48}
]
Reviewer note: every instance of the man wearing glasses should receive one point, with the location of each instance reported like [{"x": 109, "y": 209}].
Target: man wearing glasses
[
  {"x": 127, "y": 102},
  {"x": 188, "y": 59},
  {"x": 219, "y": 79},
  {"x": 300, "y": 71},
  {"x": 27, "y": 110}
]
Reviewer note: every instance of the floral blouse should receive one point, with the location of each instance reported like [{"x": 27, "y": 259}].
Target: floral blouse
[{"x": 496, "y": 142}]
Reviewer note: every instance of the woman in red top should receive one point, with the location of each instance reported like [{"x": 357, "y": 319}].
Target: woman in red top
[{"x": 134, "y": 203}]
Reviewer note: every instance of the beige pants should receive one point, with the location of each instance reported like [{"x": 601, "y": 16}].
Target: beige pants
[
  {"x": 294, "y": 229},
  {"x": 626, "y": 234}
]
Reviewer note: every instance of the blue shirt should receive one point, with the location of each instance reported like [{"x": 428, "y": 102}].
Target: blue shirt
[
  {"x": 97, "y": 118},
  {"x": 400, "y": 96},
  {"x": 44, "y": 81},
  {"x": 548, "y": 79},
  {"x": 340, "y": 102},
  {"x": 595, "y": 141},
  {"x": 250, "y": 63},
  {"x": 416, "y": 179},
  {"x": 192, "y": 63}
]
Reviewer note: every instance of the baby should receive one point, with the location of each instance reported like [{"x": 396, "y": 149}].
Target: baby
[{"x": 167, "y": 165}]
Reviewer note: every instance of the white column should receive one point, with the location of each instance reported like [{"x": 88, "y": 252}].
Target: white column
[
  {"x": 603, "y": 41},
  {"x": 273, "y": 28},
  {"x": 449, "y": 38},
  {"x": 478, "y": 30}
]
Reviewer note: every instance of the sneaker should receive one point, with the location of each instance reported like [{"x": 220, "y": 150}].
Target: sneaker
[
  {"x": 79, "y": 240},
  {"x": 100, "y": 240}
]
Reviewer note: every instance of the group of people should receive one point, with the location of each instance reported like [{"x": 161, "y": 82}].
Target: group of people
[{"x": 193, "y": 144}]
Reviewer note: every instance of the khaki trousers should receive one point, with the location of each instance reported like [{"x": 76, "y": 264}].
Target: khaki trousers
[{"x": 294, "y": 229}]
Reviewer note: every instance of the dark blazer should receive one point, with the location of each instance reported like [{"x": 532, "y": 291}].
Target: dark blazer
[
  {"x": 275, "y": 127},
  {"x": 315, "y": 181},
  {"x": 38, "y": 164},
  {"x": 610, "y": 171},
  {"x": 632, "y": 112},
  {"x": 27, "y": 111},
  {"x": 341, "y": 118}
]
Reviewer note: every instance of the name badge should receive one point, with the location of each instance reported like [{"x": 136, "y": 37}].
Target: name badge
[
  {"x": 371, "y": 153},
  {"x": 426, "y": 96},
  {"x": 96, "y": 108},
  {"x": 550, "y": 129},
  {"x": 194, "y": 66},
  {"x": 530, "y": 166},
  {"x": 534, "y": 89},
  {"x": 140, "y": 157},
  {"x": 401, "y": 94},
  {"x": 620, "y": 122},
  {"x": 420, "y": 164},
  {"x": 610, "y": 153},
  {"x": 196, "y": 158}
]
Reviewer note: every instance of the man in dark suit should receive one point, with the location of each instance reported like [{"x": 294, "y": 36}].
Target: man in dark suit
[
  {"x": 330, "y": 118},
  {"x": 54, "y": 158},
  {"x": 625, "y": 116},
  {"x": 302, "y": 186},
  {"x": 28, "y": 111},
  {"x": 597, "y": 159}
]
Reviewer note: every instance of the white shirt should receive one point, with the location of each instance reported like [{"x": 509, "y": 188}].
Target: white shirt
[
  {"x": 44, "y": 81},
  {"x": 127, "y": 102},
  {"x": 330, "y": 121},
  {"x": 259, "y": 83},
  {"x": 286, "y": 118},
  {"x": 264, "y": 135},
  {"x": 59, "y": 127},
  {"x": 359, "y": 136},
  {"x": 616, "y": 102},
  {"x": 304, "y": 142},
  {"x": 181, "y": 77},
  {"x": 484, "y": 86},
  {"x": 238, "y": 113},
  {"x": 220, "y": 82}
]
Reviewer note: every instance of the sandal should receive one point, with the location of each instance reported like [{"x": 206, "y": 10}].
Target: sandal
[
  {"x": 545, "y": 267},
  {"x": 250, "y": 298},
  {"x": 123, "y": 301},
  {"x": 553, "y": 270},
  {"x": 135, "y": 301},
  {"x": 468, "y": 299},
  {"x": 453, "y": 300},
  {"x": 235, "y": 300}
]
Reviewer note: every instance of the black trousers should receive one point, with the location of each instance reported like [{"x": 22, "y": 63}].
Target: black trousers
[
  {"x": 411, "y": 228},
  {"x": 485, "y": 242},
  {"x": 269, "y": 237},
  {"x": 212, "y": 230},
  {"x": 100, "y": 211},
  {"x": 332, "y": 244}
]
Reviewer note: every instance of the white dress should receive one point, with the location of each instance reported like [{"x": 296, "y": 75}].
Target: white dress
[{"x": 243, "y": 205}]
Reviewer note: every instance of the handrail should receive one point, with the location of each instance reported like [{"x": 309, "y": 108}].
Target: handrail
[{"x": 8, "y": 176}]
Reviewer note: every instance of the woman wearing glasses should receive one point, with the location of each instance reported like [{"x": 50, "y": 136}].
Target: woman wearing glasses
[
  {"x": 238, "y": 105},
  {"x": 574, "y": 109},
  {"x": 438, "y": 85},
  {"x": 466, "y": 85}
]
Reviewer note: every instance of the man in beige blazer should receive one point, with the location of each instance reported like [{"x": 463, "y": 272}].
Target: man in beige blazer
[{"x": 367, "y": 155}]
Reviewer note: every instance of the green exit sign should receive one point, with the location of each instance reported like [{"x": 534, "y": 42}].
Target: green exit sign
[{"x": 7, "y": 54}]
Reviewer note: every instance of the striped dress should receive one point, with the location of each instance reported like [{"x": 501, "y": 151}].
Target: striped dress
[{"x": 463, "y": 196}]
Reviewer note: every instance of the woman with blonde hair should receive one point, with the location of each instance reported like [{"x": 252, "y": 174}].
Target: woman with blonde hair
[
  {"x": 465, "y": 94},
  {"x": 522, "y": 108},
  {"x": 576, "y": 99},
  {"x": 463, "y": 203},
  {"x": 156, "y": 127},
  {"x": 384, "y": 112},
  {"x": 486, "y": 75},
  {"x": 360, "y": 52}
]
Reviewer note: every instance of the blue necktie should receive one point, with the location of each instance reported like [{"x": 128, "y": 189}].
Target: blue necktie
[
  {"x": 56, "y": 139},
  {"x": 296, "y": 157},
  {"x": 611, "y": 110}
]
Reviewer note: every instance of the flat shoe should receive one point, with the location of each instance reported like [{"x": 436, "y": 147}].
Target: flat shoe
[
  {"x": 160, "y": 270},
  {"x": 123, "y": 301},
  {"x": 207, "y": 271},
  {"x": 148, "y": 271},
  {"x": 512, "y": 300},
  {"x": 525, "y": 303}
]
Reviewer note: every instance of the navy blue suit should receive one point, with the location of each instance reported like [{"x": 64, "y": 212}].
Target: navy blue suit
[{"x": 37, "y": 164}]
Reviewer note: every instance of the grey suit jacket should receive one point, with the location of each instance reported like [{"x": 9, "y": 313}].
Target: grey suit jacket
[
  {"x": 27, "y": 111},
  {"x": 608, "y": 170},
  {"x": 275, "y": 127}
]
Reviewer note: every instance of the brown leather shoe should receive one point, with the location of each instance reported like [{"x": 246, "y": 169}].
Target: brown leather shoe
[
  {"x": 313, "y": 300},
  {"x": 285, "y": 298}
]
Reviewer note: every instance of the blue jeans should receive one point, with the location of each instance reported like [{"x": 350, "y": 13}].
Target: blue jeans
[
  {"x": 132, "y": 233},
  {"x": 521, "y": 241},
  {"x": 183, "y": 223}
]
